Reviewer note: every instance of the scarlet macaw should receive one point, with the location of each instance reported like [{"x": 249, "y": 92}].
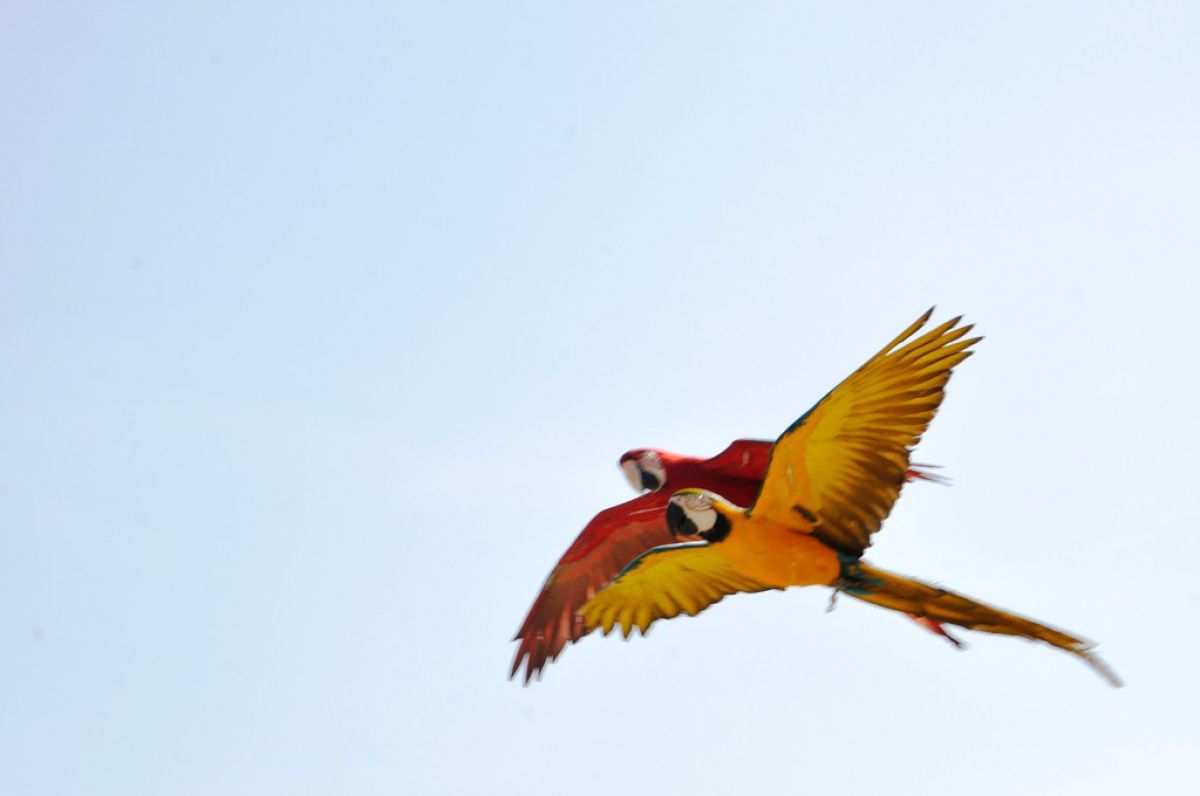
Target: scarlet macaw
[
  {"x": 619, "y": 534},
  {"x": 832, "y": 479}
]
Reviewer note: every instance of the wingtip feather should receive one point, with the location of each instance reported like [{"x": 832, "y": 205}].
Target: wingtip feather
[{"x": 1099, "y": 666}]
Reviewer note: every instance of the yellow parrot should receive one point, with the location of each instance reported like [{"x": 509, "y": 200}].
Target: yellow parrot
[{"x": 832, "y": 479}]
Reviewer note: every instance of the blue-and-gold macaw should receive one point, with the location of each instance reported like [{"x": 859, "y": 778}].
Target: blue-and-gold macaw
[{"x": 832, "y": 479}]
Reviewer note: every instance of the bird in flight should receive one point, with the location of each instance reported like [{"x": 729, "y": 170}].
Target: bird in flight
[
  {"x": 619, "y": 534},
  {"x": 831, "y": 480}
]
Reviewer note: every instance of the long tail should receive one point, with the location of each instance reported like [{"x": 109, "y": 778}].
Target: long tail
[{"x": 911, "y": 596}]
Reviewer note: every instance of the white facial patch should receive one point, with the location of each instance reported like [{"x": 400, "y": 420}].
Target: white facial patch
[
  {"x": 699, "y": 509},
  {"x": 632, "y": 474}
]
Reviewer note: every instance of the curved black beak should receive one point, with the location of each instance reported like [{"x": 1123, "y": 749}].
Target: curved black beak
[{"x": 678, "y": 522}]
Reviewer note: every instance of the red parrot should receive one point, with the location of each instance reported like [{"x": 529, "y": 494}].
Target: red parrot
[{"x": 621, "y": 533}]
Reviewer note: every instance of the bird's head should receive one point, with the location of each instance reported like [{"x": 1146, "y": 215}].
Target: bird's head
[
  {"x": 646, "y": 468},
  {"x": 698, "y": 512}
]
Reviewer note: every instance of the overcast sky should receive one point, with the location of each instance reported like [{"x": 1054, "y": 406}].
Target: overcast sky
[{"x": 322, "y": 327}]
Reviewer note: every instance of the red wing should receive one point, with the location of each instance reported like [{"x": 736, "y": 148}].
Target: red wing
[
  {"x": 611, "y": 540},
  {"x": 744, "y": 458}
]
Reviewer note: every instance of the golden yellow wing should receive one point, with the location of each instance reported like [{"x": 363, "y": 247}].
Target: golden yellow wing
[
  {"x": 840, "y": 467},
  {"x": 663, "y": 583}
]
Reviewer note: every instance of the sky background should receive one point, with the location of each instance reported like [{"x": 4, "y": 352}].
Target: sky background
[{"x": 322, "y": 327}]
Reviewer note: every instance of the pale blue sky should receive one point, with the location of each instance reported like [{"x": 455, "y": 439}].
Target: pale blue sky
[{"x": 323, "y": 327}]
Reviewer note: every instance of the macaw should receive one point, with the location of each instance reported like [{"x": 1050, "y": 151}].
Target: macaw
[
  {"x": 831, "y": 480},
  {"x": 619, "y": 534}
]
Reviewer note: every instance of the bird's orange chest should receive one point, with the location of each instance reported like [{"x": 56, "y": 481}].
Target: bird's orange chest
[{"x": 779, "y": 555}]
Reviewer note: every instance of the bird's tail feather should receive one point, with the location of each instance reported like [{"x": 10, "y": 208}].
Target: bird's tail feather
[{"x": 911, "y": 596}]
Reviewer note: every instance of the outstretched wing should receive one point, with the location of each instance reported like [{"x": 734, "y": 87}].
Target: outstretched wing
[
  {"x": 663, "y": 583},
  {"x": 611, "y": 540},
  {"x": 841, "y": 465}
]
